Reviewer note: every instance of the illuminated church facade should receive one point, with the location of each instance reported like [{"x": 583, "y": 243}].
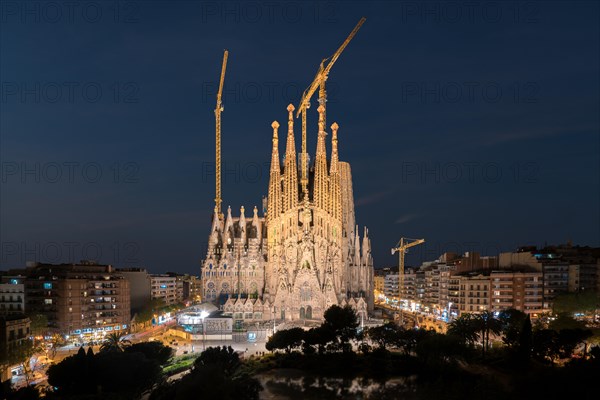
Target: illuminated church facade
[{"x": 305, "y": 253}]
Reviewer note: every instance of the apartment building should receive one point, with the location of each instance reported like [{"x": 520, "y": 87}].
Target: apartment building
[
  {"x": 84, "y": 299},
  {"x": 523, "y": 291},
  {"x": 378, "y": 284},
  {"x": 192, "y": 288},
  {"x": 166, "y": 288},
  {"x": 474, "y": 294},
  {"x": 14, "y": 331},
  {"x": 556, "y": 281},
  {"x": 140, "y": 287},
  {"x": 391, "y": 287},
  {"x": 12, "y": 295},
  {"x": 408, "y": 291},
  {"x": 584, "y": 277}
]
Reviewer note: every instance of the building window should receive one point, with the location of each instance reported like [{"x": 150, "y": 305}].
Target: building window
[
  {"x": 48, "y": 301},
  {"x": 47, "y": 285}
]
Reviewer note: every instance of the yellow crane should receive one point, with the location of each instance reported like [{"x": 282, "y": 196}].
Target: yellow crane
[
  {"x": 402, "y": 248},
  {"x": 319, "y": 81},
  {"x": 218, "y": 111}
]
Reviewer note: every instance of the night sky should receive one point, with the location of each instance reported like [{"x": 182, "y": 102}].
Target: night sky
[{"x": 473, "y": 125}]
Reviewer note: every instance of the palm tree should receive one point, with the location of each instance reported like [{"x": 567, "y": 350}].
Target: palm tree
[
  {"x": 485, "y": 323},
  {"x": 464, "y": 328},
  {"x": 115, "y": 342}
]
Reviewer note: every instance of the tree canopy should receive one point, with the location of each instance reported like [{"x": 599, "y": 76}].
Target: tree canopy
[{"x": 217, "y": 374}]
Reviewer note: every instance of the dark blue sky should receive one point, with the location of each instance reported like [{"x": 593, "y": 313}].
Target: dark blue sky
[{"x": 474, "y": 125}]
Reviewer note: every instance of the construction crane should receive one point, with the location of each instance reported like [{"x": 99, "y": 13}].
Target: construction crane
[
  {"x": 219, "y": 108},
  {"x": 402, "y": 248},
  {"x": 319, "y": 81}
]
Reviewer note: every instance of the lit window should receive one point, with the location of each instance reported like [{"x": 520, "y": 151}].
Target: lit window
[
  {"x": 48, "y": 301},
  {"x": 47, "y": 285}
]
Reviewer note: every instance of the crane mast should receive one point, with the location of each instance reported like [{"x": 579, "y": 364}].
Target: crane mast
[
  {"x": 402, "y": 248},
  {"x": 319, "y": 82},
  {"x": 218, "y": 110}
]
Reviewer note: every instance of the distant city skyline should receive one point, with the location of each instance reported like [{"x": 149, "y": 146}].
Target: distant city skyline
[{"x": 477, "y": 132}]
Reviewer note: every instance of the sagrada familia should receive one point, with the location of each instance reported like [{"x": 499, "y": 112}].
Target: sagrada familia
[{"x": 305, "y": 254}]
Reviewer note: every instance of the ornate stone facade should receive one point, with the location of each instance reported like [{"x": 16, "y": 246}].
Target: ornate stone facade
[{"x": 305, "y": 254}]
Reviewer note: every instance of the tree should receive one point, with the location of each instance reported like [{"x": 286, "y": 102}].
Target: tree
[
  {"x": 317, "y": 338},
  {"x": 147, "y": 313},
  {"x": 545, "y": 345},
  {"x": 20, "y": 353},
  {"x": 464, "y": 328},
  {"x": 525, "y": 340},
  {"x": 565, "y": 321},
  {"x": 217, "y": 374},
  {"x": 115, "y": 342},
  {"x": 39, "y": 324},
  {"x": 24, "y": 393},
  {"x": 224, "y": 358},
  {"x": 581, "y": 302},
  {"x": 384, "y": 335},
  {"x": 152, "y": 351},
  {"x": 109, "y": 372},
  {"x": 409, "y": 339},
  {"x": 568, "y": 339},
  {"x": 438, "y": 347},
  {"x": 512, "y": 321},
  {"x": 485, "y": 323},
  {"x": 342, "y": 322},
  {"x": 287, "y": 339}
]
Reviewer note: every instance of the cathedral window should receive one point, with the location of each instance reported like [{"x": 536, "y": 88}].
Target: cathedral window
[{"x": 305, "y": 293}]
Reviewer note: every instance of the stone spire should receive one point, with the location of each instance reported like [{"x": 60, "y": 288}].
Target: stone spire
[
  {"x": 320, "y": 191},
  {"x": 242, "y": 223},
  {"x": 215, "y": 233},
  {"x": 274, "y": 202},
  {"x": 228, "y": 229},
  {"x": 228, "y": 221},
  {"x": 366, "y": 247},
  {"x": 290, "y": 182},
  {"x": 216, "y": 222},
  {"x": 256, "y": 224},
  {"x": 335, "y": 192},
  {"x": 356, "y": 247}
]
